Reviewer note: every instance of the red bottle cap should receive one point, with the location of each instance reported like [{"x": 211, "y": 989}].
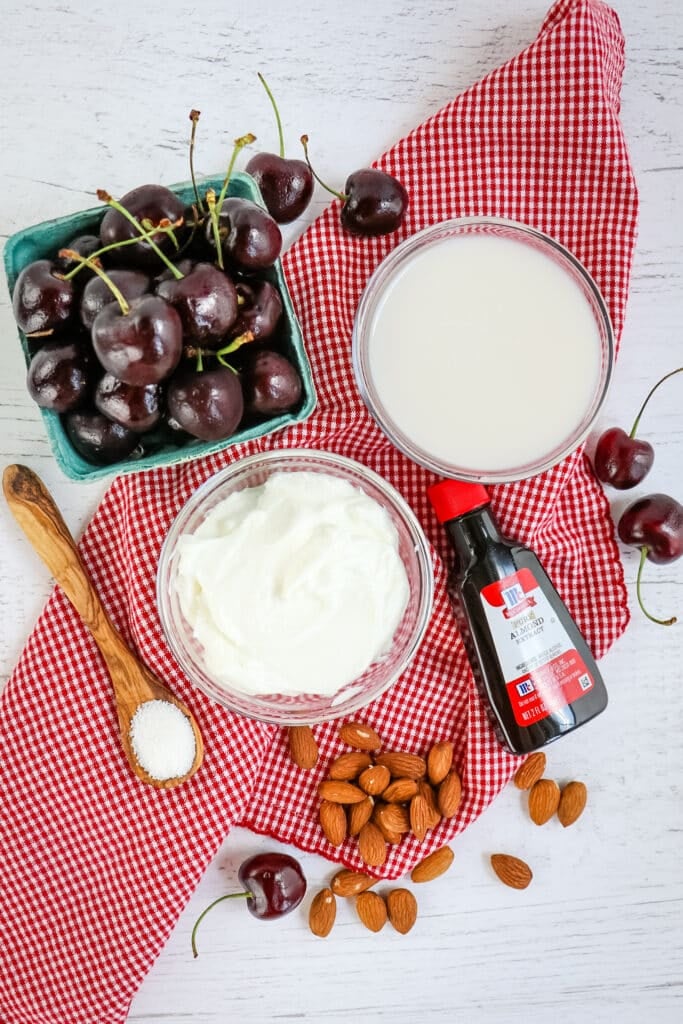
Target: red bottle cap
[{"x": 453, "y": 498}]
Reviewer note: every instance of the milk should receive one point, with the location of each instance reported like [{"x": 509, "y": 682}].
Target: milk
[{"x": 484, "y": 352}]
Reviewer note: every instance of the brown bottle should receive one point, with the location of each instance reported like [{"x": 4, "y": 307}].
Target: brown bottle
[{"x": 533, "y": 667}]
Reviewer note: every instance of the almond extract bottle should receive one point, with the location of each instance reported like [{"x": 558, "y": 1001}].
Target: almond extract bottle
[{"x": 532, "y": 666}]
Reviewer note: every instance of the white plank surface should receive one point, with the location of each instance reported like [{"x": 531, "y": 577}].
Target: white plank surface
[{"x": 97, "y": 95}]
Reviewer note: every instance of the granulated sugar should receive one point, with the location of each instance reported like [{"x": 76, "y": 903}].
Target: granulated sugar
[{"x": 163, "y": 740}]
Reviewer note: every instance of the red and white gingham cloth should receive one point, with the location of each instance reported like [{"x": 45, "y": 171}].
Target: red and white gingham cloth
[{"x": 97, "y": 866}]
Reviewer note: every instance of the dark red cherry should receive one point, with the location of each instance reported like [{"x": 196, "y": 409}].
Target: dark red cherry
[
  {"x": 184, "y": 265},
  {"x": 270, "y": 383},
  {"x": 97, "y": 294},
  {"x": 375, "y": 203},
  {"x": 98, "y": 439},
  {"x": 142, "y": 346},
  {"x": 260, "y": 310},
  {"x": 207, "y": 404},
  {"x": 61, "y": 375},
  {"x": 622, "y": 461},
  {"x": 286, "y": 185},
  {"x": 206, "y": 302},
  {"x": 42, "y": 300},
  {"x": 147, "y": 202},
  {"x": 655, "y": 525},
  {"x": 250, "y": 238},
  {"x": 84, "y": 245},
  {"x": 138, "y": 409}
]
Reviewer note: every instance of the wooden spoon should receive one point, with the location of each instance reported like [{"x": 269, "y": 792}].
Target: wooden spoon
[{"x": 34, "y": 509}]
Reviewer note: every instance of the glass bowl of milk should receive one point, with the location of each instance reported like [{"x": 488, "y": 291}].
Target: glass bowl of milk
[
  {"x": 295, "y": 586},
  {"x": 483, "y": 349}
]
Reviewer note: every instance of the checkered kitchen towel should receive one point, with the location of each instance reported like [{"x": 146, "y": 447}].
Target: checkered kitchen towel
[{"x": 96, "y": 866}]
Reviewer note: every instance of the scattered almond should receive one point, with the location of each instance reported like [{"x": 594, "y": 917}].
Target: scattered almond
[
  {"x": 419, "y": 816},
  {"x": 303, "y": 749},
  {"x": 333, "y": 822},
  {"x": 572, "y": 802},
  {"x": 339, "y": 792},
  {"x": 360, "y": 814},
  {"x": 544, "y": 799},
  {"x": 400, "y": 791},
  {"x": 374, "y": 780},
  {"x": 531, "y": 771},
  {"x": 439, "y": 761},
  {"x": 449, "y": 795},
  {"x": 359, "y": 735},
  {"x": 400, "y": 765},
  {"x": 351, "y": 883},
  {"x": 372, "y": 845},
  {"x": 402, "y": 909},
  {"x": 435, "y": 864},
  {"x": 323, "y": 912},
  {"x": 349, "y": 766},
  {"x": 428, "y": 793},
  {"x": 372, "y": 910},
  {"x": 511, "y": 870}
]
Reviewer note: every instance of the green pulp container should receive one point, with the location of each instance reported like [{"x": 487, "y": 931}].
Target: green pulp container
[{"x": 42, "y": 241}]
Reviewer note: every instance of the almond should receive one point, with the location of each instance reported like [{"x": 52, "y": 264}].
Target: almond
[
  {"x": 531, "y": 771},
  {"x": 372, "y": 910},
  {"x": 544, "y": 799},
  {"x": 349, "y": 766},
  {"x": 439, "y": 761},
  {"x": 400, "y": 791},
  {"x": 350, "y": 883},
  {"x": 435, "y": 864},
  {"x": 341, "y": 792},
  {"x": 511, "y": 870},
  {"x": 374, "y": 780},
  {"x": 303, "y": 749},
  {"x": 449, "y": 795},
  {"x": 372, "y": 845},
  {"x": 333, "y": 822},
  {"x": 360, "y": 814},
  {"x": 360, "y": 735},
  {"x": 572, "y": 802},
  {"x": 428, "y": 793},
  {"x": 400, "y": 765},
  {"x": 323, "y": 912},
  {"x": 391, "y": 835},
  {"x": 402, "y": 909},
  {"x": 392, "y": 816},
  {"x": 419, "y": 816}
]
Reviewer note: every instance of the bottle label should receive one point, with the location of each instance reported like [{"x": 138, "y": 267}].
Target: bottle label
[{"x": 543, "y": 670}]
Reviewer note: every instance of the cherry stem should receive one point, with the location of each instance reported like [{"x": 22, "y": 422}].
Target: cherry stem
[
  {"x": 277, "y": 113},
  {"x": 244, "y": 140},
  {"x": 649, "y": 396},
  {"x": 339, "y": 195},
  {"x": 194, "y": 117},
  {"x": 112, "y": 246},
  {"x": 241, "y": 339},
  {"x": 660, "y": 622},
  {"x": 106, "y": 198},
  {"x": 213, "y": 214},
  {"x": 230, "y": 896},
  {"x": 90, "y": 261}
]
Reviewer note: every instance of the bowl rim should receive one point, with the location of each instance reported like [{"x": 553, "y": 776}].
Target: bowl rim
[
  {"x": 360, "y": 348},
  {"x": 271, "y": 457}
]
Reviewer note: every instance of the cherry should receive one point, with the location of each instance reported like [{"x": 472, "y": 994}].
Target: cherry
[
  {"x": 621, "y": 459},
  {"x": 98, "y": 439},
  {"x": 84, "y": 245},
  {"x": 274, "y": 883},
  {"x": 374, "y": 203},
  {"x": 286, "y": 185},
  {"x": 655, "y": 525},
  {"x": 138, "y": 409},
  {"x": 152, "y": 203},
  {"x": 97, "y": 293},
  {"x": 205, "y": 300},
  {"x": 139, "y": 342},
  {"x": 260, "y": 311},
  {"x": 208, "y": 404},
  {"x": 60, "y": 375},
  {"x": 42, "y": 299},
  {"x": 249, "y": 237},
  {"x": 270, "y": 383}
]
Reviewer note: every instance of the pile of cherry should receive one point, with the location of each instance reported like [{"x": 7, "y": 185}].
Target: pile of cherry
[{"x": 164, "y": 328}]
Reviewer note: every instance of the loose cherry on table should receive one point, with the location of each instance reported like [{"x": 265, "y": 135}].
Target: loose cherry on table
[
  {"x": 374, "y": 202},
  {"x": 654, "y": 524},
  {"x": 286, "y": 184},
  {"x": 274, "y": 886},
  {"x": 623, "y": 460}
]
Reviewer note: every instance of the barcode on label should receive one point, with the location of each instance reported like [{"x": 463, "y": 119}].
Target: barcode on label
[{"x": 585, "y": 682}]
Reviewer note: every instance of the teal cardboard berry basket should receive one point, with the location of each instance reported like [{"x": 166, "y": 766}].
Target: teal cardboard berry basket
[{"x": 42, "y": 241}]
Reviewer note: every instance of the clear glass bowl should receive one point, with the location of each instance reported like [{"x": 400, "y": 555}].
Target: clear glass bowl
[
  {"x": 304, "y": 709},
  {"x": 373, "y": 294}
]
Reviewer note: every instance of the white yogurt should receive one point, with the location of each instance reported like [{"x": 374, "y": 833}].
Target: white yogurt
[
  {"x": 484, "y": 352},
  {"x": 295, "y": 586}
]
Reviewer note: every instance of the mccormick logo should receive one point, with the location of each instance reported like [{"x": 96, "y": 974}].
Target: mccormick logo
[{"x": 515, "y": 600}]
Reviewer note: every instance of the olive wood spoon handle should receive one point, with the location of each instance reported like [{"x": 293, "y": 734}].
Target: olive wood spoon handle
[{"x": 34, "y": 509}]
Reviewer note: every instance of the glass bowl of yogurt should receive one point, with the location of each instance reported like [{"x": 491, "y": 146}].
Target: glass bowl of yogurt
[
  {"x": 295, "y": 586},
  {"x": 483, "y": 349}
]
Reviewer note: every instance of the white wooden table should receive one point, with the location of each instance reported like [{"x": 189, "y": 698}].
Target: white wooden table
[{"x": 97, "y": 95}]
